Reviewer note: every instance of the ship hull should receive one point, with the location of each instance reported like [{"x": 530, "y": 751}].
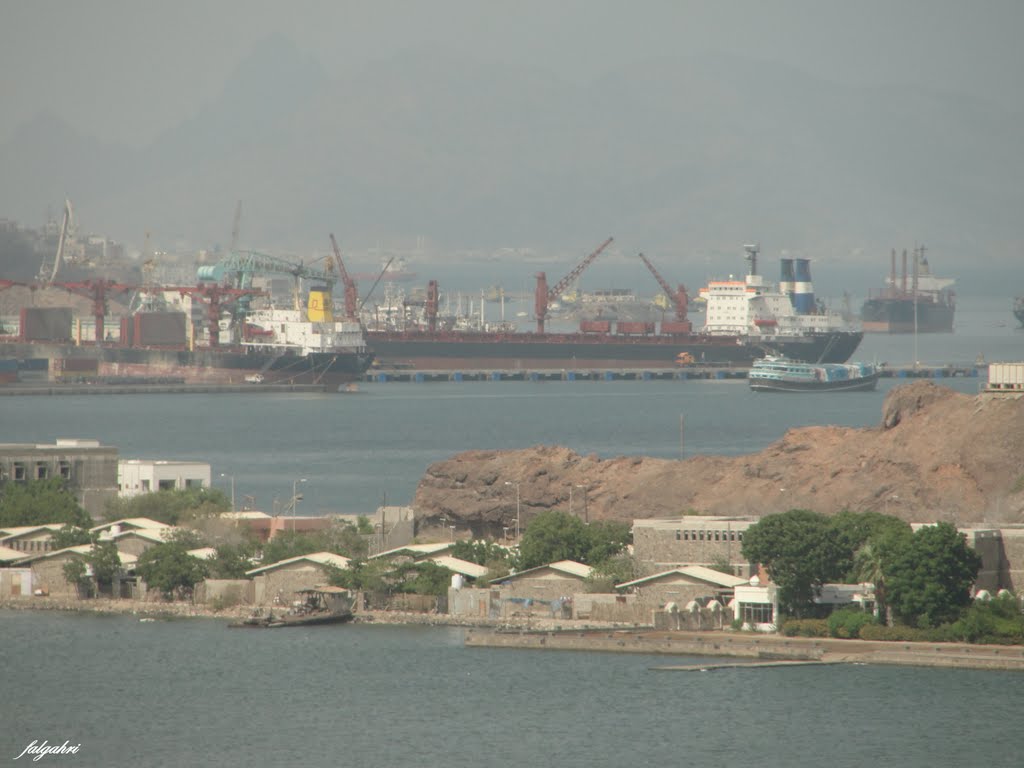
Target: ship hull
[
  {"x": 569, "y": 351},
  {"x": 224, "y": 365},
  {"x": 898, "y": 316},
  {"x": 864, "y": 384}
]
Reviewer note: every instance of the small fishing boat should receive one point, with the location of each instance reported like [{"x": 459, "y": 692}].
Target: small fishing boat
[{"x": 780, "y": 374}]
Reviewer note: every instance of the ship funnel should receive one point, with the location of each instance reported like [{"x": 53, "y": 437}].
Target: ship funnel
[
  {"x": 319, "y": 308},
  {"x": 803, "y": 290},
  {"x": 786, "y": 278}
]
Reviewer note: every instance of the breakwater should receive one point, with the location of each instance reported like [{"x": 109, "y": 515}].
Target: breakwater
[{"x": 758, "y": 647}]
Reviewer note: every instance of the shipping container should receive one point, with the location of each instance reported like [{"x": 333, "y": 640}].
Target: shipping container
[
  {"x": 676, "y": 327},
  {"x": 46, "y": 323},
  {"x": 596, "y": 326},
  {"x": 1006, "y": 376},
  {"x": 158, "y": 329},
  {"x": 635, "y": 328}
]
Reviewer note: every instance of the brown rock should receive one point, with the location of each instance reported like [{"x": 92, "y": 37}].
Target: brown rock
[{"x": 937, "y": 454}]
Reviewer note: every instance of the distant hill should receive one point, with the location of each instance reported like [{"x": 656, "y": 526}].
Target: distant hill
[{"x": 679, "y": 154}]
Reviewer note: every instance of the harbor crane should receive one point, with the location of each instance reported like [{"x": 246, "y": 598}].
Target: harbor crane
[
  {"x": 351, "y": 292},
  {"x": 48, "y": 274},
  {"x": 217, "y": 298},
  {"x": 236, "y": 270},
  {"x": 97, "y": 290},
  {"x": 679, "y": 298},
  {"x": 543, "y": 295}
]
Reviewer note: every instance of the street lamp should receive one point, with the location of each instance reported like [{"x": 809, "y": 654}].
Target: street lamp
[
  {"x": 586, "y": 512},
  {"x": 509, "y": 482},
  {"x": 232, "y": 477},
  {"x": 296, "y": 497}
]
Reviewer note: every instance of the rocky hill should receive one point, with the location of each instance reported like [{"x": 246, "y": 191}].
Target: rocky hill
[{"x": 936, "y": 454}]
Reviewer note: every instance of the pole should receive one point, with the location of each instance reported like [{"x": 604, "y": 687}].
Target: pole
[
  {"x": 570, "y": 501},
  {"x": 681, "y": 420},
  {"x": 517, "y": 512}
]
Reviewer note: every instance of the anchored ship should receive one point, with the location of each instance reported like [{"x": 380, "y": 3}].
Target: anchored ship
[
  {"x": 745, "y": 320},
  {"x": 269, "y": 345},
  {"x": 777, "y": 374},
  {"x": 925, "y": 304}
]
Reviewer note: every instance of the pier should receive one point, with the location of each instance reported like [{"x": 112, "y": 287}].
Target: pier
[{"x": 386, "y": 374}]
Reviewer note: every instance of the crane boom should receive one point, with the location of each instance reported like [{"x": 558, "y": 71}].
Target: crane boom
[
  {"x": 679, "y": 298},
  {"x": 351, "y": 292},
  {"x": 543, "y": 295}
]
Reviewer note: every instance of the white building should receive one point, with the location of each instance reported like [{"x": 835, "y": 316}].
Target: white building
[{"x": 137, "y": 476}]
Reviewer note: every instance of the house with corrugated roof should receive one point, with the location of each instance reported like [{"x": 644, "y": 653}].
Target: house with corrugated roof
[
  {"x": 48, "y": 569},
  {"x": 29, "y": 539},
  {"x": 281, "y": 580},
  {"x": 545, "y": 583},
  {"x": 682, "y": 585},
  {"x": 414, "y": 552},
  {"x": 128, "y": 523}
]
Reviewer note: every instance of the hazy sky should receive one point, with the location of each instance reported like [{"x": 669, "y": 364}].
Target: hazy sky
[{"x": 125, "y": 70}]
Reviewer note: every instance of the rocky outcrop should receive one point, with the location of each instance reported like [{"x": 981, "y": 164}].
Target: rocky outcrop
[{"x": 937, "y": 454}]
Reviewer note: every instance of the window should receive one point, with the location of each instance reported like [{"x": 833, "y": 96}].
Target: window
[
  {"x": 757, "y": 613},
  {"x": 702, "y": 535},
  {"x": 19, "y": 471},
  {"x": 716, "y": 536},
  {"x": 42, "y": 471},
  {"x": 678, "y": 536},
  {"x": 64, "y": 469},
  {"x": 166, "y": 485},
  {"x": 145, "y": 486}
]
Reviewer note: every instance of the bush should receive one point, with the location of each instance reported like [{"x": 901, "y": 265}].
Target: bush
[
  {"x": 805, "y": 628},
  {"x": 905, "y": 634},
  {"x": 848, "y": 622}
]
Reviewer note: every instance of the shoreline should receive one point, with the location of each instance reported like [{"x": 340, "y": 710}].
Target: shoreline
[{"x": 564, "y": 635}]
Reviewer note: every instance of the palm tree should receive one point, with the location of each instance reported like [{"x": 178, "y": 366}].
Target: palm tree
[{"x": 869, "y": 566}]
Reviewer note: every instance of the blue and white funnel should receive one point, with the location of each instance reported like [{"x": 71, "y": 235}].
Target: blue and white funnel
[
  {"x": 803, "y": 289},
  {"x": 786, "y": 279}
]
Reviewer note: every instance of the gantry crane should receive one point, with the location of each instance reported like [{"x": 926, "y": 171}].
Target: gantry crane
[
  {"x": 679, "y": 298},
  {"x": 97, "y": 290},
  {"x": 351, "y": 292},
  {"x": 543, "y": 295}
]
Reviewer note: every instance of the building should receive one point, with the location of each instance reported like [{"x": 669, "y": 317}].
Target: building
[
  {"x": 48, "y": 569},
  {"x": 27, "y": 539},
  {"x": 682, "y": 586},
  {"x": 278, "y": 582},
  {"x": 662, "y": 544},
  {"x": 139, "y": 476},
  {"x": 127, "y": 524},
  {"x": 89, "y": 469}
]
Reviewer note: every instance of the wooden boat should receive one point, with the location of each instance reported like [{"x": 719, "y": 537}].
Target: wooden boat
[{"x": 319, "y": 605}]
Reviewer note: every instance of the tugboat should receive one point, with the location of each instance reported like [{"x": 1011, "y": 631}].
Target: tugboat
[{"x": 319, "y": 605}]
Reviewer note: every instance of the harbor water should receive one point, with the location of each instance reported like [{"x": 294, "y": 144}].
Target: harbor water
[{"x": 191, "y": 692}]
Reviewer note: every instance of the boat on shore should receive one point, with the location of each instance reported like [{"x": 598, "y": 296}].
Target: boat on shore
[
  {"x": 777, "y": 374},
  {"x": 316, "y": 606}
]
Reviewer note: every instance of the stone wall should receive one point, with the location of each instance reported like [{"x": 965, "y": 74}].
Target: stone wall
[
  {"x": 226, "y": 592},
  {"x": 280, "y": 585},
  {"x": 48, "y": 575},
  {"x": 664, "y": 544}
]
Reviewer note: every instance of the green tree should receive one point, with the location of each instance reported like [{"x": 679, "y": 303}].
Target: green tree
[
  {"x": 554, "y": 535},
  {"x": 800, "y": 551},
  {"x": 39, "y": 502},
  {"x": 362, "y": 575},
  {"x": 855, "y": 529},
  {"x": 931, "y": 575},
  {"x": 76, "y": 572},
  {"x": 171, "y": 569},
  {"x": 611, "y": 571},
  {"x": 106, "y": 564},
  {"x": 422, "y": 578},
  {"x": 232, "y": 560},
  {"x": 363, "y": 526},
  {"x": 479, "y": 552},
  {"x": 172, "y": 507},
  {"x": 71, "y": 536}
]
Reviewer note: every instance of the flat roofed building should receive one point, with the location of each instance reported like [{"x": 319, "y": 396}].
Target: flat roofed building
[
  {"x": 660, "y": 544},
  {"x": 139, "y": 476},
  {"x": 88, "y": 468}
]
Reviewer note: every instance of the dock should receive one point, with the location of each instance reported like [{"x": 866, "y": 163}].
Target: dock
[{"x": 385, "y": 374}]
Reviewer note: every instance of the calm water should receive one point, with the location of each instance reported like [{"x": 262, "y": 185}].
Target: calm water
[{"x": 191, "y": 692}]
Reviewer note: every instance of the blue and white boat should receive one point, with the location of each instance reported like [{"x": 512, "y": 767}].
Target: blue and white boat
[{"x": 780, "y": 374}]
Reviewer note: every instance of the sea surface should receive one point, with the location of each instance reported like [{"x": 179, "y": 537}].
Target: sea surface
[{"x": 191, "y": 692}]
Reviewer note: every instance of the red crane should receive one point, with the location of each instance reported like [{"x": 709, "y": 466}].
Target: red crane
[
  {"x": 216, "y": 298},
  {"x": 543, "y": 295},
  {"x": 351, "y": 293},
  {"x": 679, "y": 298},
  {"x": 97, "y": 290}
]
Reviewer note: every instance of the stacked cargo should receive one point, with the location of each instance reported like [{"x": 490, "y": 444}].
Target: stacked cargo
[
  {"x": 635, "y": 328},
  {"x": 154, "y": 329},
  {"x": 46, "y": 323}
]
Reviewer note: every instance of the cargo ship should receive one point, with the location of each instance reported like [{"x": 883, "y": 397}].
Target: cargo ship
[
  {"x": 918, "y": 303},
  {"x": 744, "y": 321},
  {"x": 268, "y": 345}
]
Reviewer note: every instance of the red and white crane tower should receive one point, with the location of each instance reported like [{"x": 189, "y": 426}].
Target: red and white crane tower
[
  {"x": 543, "y": 295},
  {"x": 351, "y": 292}
]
